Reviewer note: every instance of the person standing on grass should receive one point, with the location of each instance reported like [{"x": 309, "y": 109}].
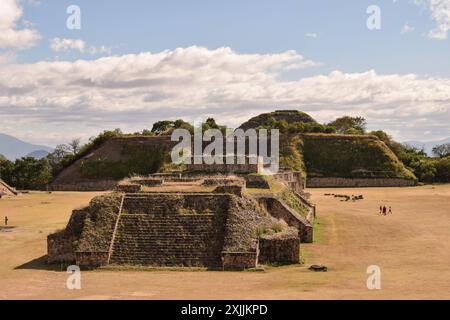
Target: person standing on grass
[
  {"x": 381, "y": 209},
  {"x": 6, "y": 220},
  {"x": 384, "y": 210},
  {"x": 390, "y": 210}
]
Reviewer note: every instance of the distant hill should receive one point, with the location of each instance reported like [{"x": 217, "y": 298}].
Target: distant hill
[
  {"x": 38, "y": 154},
  {"x": 290, "y": 116},
  {"x": 13, "y": 148},
  {"x": 428, "y": 145}
]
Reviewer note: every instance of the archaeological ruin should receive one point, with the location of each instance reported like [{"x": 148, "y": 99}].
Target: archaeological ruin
[
  {"x": 6, "y": 190},
  {"x": 220, "y": 216},
  {"x": 189, "y": 220}
]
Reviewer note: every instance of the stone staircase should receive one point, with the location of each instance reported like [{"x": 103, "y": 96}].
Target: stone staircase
[{"x": 151, "y": 232}]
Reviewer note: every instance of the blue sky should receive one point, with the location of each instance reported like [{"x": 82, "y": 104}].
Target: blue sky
[
  {"x": 334, "y": 52},
  {"x": 343, "y": 40}
]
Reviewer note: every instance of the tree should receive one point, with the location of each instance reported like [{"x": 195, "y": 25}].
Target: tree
[
  {"x": 6, "y": 170},
  {"x": 75, "y": 145},
  {"x": 147, "y": 132},
  {"x": 161, "y": 127},
  {"x": 442, "y": 150},
  {"x": 30, "y": 173},
  {"x": 424, "y": 169},
  {"x": 211, "y": 124},
  {"x": 346, "y": 123},
  {"x": 443, "y": 170},
  {"x": 55, "y": 159}
]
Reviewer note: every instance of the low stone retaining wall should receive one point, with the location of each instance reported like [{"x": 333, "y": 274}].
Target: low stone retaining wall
[
  {"x": 150, "y": 182},
  {"x": 129, "y": 188},
  {"x": 239, "y": 260},
  {"x": 310, "y": 207},
  {"x": 293, "y": 179},
  {"x": 256, "y": 181},
  {"x": 279, "y": 210},
  {"x": 101, "y": 185},
  {"x": 317, "y": 182},
  {"x": 279, "y": 250},
  {"x": 92, "y": 259},
  {"x": 232, "y": 189},
  {"x": 223, "y": 181},
  {"x": 60, "y": 249}
]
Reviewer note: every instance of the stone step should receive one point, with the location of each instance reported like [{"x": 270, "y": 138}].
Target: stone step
[
  {"x": 168, "y": 263},
  {"x": 153, "y": 233}
]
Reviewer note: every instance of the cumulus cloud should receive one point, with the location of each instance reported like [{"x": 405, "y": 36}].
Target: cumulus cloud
[
  {"x": 10, "y": 36},
  {"x": 440, "y": 13},
  {"x": 62, "y": 98}
]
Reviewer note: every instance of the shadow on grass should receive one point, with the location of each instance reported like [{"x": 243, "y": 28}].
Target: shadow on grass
[
  {"x": 7, "y": 228},
  {"x": 41, "y": 264}
]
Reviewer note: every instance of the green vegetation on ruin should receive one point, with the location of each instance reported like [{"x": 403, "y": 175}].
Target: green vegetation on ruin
[
  {"x": 99, "y": 223},
  {"x": 137, "y": 160},
  {"x": 351, "y": 156},
  {"x": 270, "y": 119}
]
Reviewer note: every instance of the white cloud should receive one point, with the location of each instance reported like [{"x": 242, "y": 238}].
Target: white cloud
[
  {"x": 311, "y": 35},
  {"x": 10, "y": 36},
  {"x": 65, "y": 45},
  {"x": 61, "y": 99},
  {"x": 407, "y": 28},
  {"x": 100, "y": 50},
  {"x": 440, "y": 13}
]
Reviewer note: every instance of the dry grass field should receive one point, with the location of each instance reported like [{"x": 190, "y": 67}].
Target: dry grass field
[{"x": 411, "y": 246}]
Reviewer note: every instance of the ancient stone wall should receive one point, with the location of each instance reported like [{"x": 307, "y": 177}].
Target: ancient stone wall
[
  {"x": 223, "y": 168},
  {"x": 61, "y": 246},
  {"x": 319, "y": 182},
  {"x": 60, "y": 249},
  {"x": 279, "y": 210},
  {"x": 293, "y": 179},
  {"x": 91, "y": 259},
  {"x": 129, "y": 188},
  {"x": 256, "y": 181},
  {"x": 92, "y": 185},
  {"x": 279, "y": 249},
  {"x": 231, "y": 189},
  {"x": 239, "y": 260}
]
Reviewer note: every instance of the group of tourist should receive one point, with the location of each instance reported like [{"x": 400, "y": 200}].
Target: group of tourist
[{"x": 385, "y": 211}]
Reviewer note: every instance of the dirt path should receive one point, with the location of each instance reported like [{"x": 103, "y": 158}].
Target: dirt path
[{"x": 412, "y": 248}]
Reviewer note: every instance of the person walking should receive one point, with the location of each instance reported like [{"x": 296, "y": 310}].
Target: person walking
[
  {"x": 381, "y": 210},
  {"x": 6, "y": 220},
  {"x": 384, "y": 210},
  {"x": 390, "y": 210}
]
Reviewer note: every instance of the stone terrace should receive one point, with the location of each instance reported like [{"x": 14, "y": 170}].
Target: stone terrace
[{"x": 169, "y": 230}]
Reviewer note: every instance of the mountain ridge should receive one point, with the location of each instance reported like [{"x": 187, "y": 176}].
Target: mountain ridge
[{"x": 13, "y": 148}]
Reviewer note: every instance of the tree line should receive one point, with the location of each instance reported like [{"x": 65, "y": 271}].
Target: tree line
[{"x": 31, "y": 173}]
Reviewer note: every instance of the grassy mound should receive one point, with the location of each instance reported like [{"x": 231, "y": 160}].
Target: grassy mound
[
  {"x": 351, "y": 156},
  {"x": 267, "y": 119},
  {"x": 117, "y": 158}
]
